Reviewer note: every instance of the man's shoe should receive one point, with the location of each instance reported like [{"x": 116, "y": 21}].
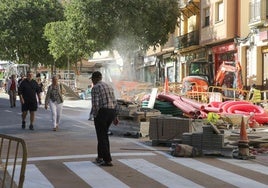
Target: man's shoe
[
  {"x": 98, "y": 160},
  {"x": 31, "y": 127},
  {"x": 23, "y": 125},
  {"x": 104, "y": 163}
]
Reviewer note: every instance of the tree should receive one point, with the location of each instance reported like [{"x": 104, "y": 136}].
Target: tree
[
  {"x": 124, "y": 25},
  {"x": 68, "y": 40},
  {"x": 22, "y": 25},
  {"x": 65, "y": 43}
]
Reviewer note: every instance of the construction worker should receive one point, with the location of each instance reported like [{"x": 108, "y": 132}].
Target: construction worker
[{"x": 255, "y": 95}]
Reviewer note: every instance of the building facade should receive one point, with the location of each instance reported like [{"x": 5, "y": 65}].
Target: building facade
[{"x": 216, "y": 31}]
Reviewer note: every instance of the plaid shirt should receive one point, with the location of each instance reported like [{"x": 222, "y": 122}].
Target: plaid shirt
[{"x": 102, "y": 97}]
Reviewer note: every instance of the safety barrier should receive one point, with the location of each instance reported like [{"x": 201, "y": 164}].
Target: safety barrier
[
  {"x": 264, "y": 96},
  {"x": 231, "y": 93},
  {"x": 215, "y": 93},
  {"x": 235, "y": 94},
  {"x": 204, "y": 97},
  {"x": 13, "y": 160}
]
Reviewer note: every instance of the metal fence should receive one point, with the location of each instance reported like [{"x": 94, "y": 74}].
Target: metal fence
[{"x": 13, "y": 160}]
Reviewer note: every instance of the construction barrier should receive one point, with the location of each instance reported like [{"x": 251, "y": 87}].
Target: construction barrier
[
  {"x": 13, "y": 160},
  {"x": 173, "y": 87},
  {"x": 214, "y": 93},
  {"x": 230, "y": 93}
]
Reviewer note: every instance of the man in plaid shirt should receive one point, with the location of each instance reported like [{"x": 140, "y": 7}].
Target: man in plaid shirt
[{"x": 104, "y": 111}]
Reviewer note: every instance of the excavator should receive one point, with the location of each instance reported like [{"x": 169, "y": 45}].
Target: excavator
[{"x": 201, "y": 76}]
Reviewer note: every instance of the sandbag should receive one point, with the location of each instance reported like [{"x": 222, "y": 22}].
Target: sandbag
[{"x": 183, "y": 150}]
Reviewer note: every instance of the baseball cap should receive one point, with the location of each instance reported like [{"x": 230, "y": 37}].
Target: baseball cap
[{"x": 96, "y": 74}]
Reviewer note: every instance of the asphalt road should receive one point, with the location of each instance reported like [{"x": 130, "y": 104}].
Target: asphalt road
[{"x": 63, "y": 159}]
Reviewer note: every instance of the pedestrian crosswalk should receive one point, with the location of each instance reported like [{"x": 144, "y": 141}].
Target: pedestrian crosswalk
[
  {"x": 221, "y": 174},
  {"x": 157, "y": 173},
  {"x": 230, "y": 172}
]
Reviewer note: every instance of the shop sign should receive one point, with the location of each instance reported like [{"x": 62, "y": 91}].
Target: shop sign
[
  {"x": 263, "y": 35},
  {"x": 224, "y": 48}
]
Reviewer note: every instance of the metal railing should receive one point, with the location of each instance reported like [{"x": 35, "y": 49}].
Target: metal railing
[
  {"x": 216, "y": 93},
  {"x": 13, "y": 160}
]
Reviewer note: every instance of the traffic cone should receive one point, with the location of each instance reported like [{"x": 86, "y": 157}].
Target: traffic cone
[
  {"x": 166, "y": 89},
  {"x": 243, "y": 147},
  {"x": 243, "y": 131}
]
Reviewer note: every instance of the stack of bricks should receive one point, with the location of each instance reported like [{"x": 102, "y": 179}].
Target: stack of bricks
[
  {"x": 208, "y": 141},
  {"x": 166, "y": 128},
  {"x": 211, "y": 141},
  {"x": 197, "y": 141}
]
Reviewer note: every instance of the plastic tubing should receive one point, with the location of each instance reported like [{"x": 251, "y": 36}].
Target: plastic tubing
[
  {"x": 169, "y": 98},
  {"x": 225, "y": 105},
  {"x": 186, "y": 109},
  {"x": 246, "y": 108},
  {"x": 193, "y": 103},
  {"x": 213, "y": 109},
  {"x": 215, "y": 104}
]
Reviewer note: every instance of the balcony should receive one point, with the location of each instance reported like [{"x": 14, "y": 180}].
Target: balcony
[
  {"x": 187, "y": 40},
  {"x": 189, "y": 7}
]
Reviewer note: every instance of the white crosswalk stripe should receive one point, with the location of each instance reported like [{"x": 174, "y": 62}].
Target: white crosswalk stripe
[
  {"x": 221, "y": 174},
  {"x": 248, "y": 164},
  {"x": 33, "y": 177},
  {"x": 159, "y": 174},
  {"x": 98, "y": 177}
]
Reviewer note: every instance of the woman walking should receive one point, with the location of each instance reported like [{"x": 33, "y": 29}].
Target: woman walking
[
  {"x": 12, "y": 88},
  {"x": 54, "y": 98}
]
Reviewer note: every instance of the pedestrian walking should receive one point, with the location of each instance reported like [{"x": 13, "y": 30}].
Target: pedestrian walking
[
  {"x": 12, "y": 89},
  {"x": 27, "y": 91},
  {"x": 41, "y": 86},
  {"x": 104, "y": 110},
  {"x": 22, "y": 77},
  {"x": 54, "y": 98}
]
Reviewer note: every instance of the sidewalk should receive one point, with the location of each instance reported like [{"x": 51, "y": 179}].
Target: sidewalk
[
  {"x": 67, "y": 102},
  {"x": 77, "y": 103}
]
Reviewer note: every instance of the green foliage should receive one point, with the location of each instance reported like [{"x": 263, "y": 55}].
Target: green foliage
[
  {"x": 22, "y": 25},
  {"x": 212, "y": 117},
  {"x": 35, "y": 31},
  {"x": 125, "y": 25}
]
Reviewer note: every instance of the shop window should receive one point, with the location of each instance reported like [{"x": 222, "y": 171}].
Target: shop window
[{"x": 170, "y": 74}]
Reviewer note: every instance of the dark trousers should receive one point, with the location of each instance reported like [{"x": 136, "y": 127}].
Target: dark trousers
[
  {"x": 102, "y": 123},
  {"x": 12, "y": 98}
]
